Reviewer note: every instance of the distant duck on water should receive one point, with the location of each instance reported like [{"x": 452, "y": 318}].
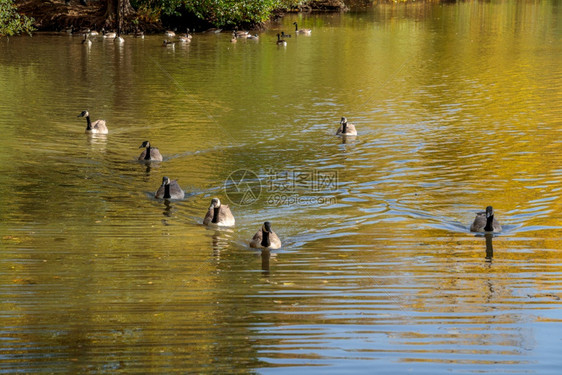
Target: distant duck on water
[
  {"x": 485, "y": 222},
  {"x": 96, "y": 127},
  {"x": 149, "y": 153}
]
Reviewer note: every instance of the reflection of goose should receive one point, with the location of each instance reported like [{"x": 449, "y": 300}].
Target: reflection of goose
[
  {"x": 97, "y": 127},
  {"x": 265, "y": 238},
  {"x": 301, "y": 31},
  {"x": 489, "y": 246},
  {"x": 265, "y": 256},
  {"x": 346, "y": 128},
  {"x": 150, "y": 153},
  {"x": 169, "y": 190},
  {"x": 218, "y": 214},
  {"x": 485, "y": 222}
]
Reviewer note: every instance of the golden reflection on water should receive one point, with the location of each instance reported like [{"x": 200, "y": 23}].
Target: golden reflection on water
[{"x": 457, "y": 107}]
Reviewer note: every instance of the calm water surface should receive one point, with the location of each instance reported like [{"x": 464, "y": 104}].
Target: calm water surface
[{"x": 457, "y": 106}]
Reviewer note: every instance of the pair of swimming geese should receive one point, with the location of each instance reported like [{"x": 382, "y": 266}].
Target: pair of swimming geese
[
  {"x": 99, "y": 127},
  {"x": 219, "y": 214},
  {"x": 283, "y": 42}
]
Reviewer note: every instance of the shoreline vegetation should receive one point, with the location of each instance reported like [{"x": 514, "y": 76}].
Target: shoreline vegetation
[{"x": 152, "y": 16}]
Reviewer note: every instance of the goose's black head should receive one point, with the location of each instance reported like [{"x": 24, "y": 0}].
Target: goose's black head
[
  {"x": 145, "y": 144},
  {"x": 165, "y": 181},
  {"x": 266, "y": 227},
  {"x": 489, "y": 212},
  {"x": 84, "y": 114},
  {"x": 215, "y": 203}
]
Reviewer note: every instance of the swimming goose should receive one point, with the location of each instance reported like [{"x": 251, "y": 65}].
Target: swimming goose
[
  {"x": 283, "y": 35},
  {"x": 346, "y": 128},
  {"x": 150, "y": 153},
  {"x": 170, "y": 34},
  {"x": 86, "y": 41},
  {"x": 184, "y": 39},
  {"x": 281, "y": 42},
  {"x": 219, "y": 214},
  {"x": 109, "y": 35},
  {"x": 139, "y": 34},
  {"x": 301, "y": 31},
  {"x": 118, "y": 38},
  {"x": 169, "y": 190},
  {"x": 168, "y": 43},
  {"x": 233, "y": 39},
  {"x": 241, "y": 34},
  {"x": 97, "y": 127},
  {"x": 485, "y": 222},
  {"x": 265, "y": 238}
]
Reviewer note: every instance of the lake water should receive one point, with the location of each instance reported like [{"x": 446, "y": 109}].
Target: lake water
[{"x": 457, "y": 107}]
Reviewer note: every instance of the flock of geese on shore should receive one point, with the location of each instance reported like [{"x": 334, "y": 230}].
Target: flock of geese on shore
[
  {"x": 219, "y": 214},
  {"x": 187, "y": 37}
]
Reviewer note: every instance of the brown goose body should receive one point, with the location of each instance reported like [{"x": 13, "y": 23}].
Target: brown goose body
[
  {"x": 301, "y": 31},
  {"x": 485, "y": 222},
  {"x": 169, "y": 190},
  {"x": 346, "y": 128},
  {"x": 96, "y": 127},
  {"x": 149, "y": 153},
  {"x": 265, "y": 238},
  {"x": 219, "y": 214}
]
